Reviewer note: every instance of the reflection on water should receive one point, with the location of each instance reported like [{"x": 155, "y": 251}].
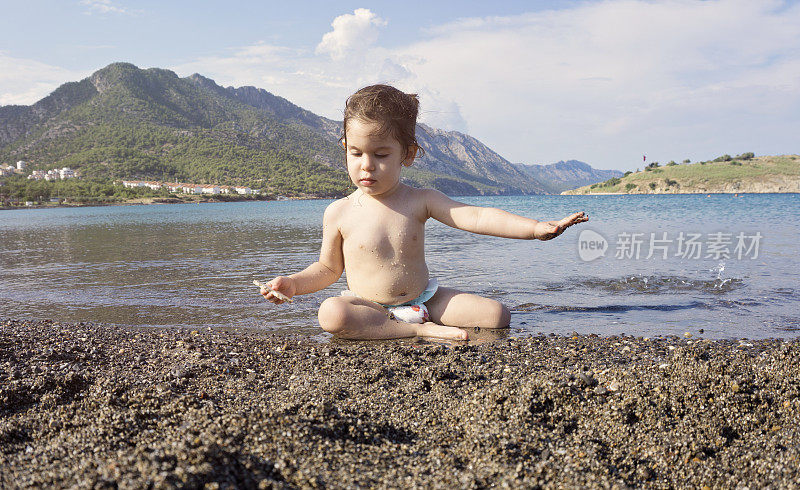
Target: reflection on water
[{"x": 193, "y": 265}]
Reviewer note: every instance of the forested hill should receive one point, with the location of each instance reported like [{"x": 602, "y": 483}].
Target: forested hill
[{"x": 125, "y": 122}]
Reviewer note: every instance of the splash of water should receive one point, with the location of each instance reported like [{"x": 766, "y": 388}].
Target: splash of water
[{"x": 720, "y": 282}]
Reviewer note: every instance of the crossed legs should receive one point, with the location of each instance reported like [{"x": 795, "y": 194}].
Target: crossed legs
[{"x": 355, "y": 318}]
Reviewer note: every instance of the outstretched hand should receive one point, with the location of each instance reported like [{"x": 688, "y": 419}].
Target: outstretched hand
[{"x": 546, "y": 230}]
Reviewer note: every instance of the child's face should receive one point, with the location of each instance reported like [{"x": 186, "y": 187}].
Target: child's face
[{"x": 374, "y": 160}]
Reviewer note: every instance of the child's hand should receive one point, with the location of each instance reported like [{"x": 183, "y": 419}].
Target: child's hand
[
  {"x": 282, "y": 285},
  {"x": 546, "y": 230}
]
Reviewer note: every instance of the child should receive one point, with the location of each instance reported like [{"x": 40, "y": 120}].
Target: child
[{"x": 377, "y": 235}]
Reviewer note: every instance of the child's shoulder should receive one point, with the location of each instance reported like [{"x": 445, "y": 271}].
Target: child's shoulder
[
  {"x": 428, "y": 195},
  {"x": 427, "y": 191},
  {"x": 339, "y": 206}
]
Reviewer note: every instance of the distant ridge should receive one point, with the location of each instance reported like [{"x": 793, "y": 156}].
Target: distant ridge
[{"x": 564, "y": 175}]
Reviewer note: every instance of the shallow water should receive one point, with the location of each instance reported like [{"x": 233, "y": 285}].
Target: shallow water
[{"x": 192, "y": 265}]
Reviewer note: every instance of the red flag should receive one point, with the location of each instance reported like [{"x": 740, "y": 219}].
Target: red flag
[{"x": 644, "y": 158}]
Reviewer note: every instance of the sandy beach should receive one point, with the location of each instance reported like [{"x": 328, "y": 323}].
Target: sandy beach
[{"x": 99, "y": 407}]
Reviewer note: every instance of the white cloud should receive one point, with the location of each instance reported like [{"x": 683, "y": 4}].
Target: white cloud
[
  {"x": 105, "y": 7},
  {"x": 352, "y": 34},
  {"x": 23, "y": 81},
  {"x": 606, "y": 81},
  {"x": 243, "y": 60},
  {"x": 441, "y": 112},
  {"x": 313, "y": 82}
]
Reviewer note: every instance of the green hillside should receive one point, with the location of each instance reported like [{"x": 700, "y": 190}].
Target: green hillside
[
  {"x": 745, "y": 173},
  {"x": 124, "y": 122}
]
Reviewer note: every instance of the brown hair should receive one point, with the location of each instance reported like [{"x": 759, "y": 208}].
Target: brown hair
[{"x": 395, "y": 111}]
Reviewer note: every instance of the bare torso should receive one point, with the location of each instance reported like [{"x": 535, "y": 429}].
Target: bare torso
[{"x": 383, "y": 244}]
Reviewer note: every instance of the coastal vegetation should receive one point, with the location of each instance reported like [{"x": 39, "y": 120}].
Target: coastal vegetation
[
  {"x": 104, "y": 153},
  {"x": 743, "y": 173},
  {"x": 18, "y": 189}
]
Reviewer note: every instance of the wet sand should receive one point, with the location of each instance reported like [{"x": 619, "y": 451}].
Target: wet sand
[{"x": 91, "y": 406}]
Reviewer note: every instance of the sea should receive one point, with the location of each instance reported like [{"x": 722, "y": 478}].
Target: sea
[{"x": 712, "y": 266}]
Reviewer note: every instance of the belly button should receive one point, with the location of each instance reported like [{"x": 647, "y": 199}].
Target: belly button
[{"x": 403, "y": 294}]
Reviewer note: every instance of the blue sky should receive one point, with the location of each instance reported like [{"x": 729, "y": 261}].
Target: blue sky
[{"x": 600, "y": 81}]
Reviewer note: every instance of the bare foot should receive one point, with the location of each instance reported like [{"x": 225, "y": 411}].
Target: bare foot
[{"x": 430, "y": 329}]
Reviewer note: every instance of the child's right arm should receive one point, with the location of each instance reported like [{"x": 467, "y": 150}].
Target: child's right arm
[{"x": 319, "y": 275}]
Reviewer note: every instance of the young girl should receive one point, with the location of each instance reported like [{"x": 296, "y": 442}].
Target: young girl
[{"x": 377, "y": 235}]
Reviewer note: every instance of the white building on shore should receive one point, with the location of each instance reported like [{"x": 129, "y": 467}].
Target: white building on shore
[
  {"x": 54, "y": 174},
  {"x": 192, "y": 189},
  {"x": 185, "y": 188},
  {"x": 141, "y": 183},
  {"x": 211, "y": 189}
]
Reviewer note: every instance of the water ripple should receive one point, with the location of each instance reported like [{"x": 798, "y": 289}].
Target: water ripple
[
  {"x": 616, "y": 308},
  {"x": 653, "y": 284}
]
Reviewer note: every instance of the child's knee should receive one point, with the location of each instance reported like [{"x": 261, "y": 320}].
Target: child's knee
[
  {"x": 497, "y": 315},
  {"x": 332, "y": 315}
]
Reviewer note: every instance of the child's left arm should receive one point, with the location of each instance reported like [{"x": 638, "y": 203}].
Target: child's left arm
[{"x": 492, "y": 221}]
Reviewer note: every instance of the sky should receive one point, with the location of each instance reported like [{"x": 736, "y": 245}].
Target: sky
[{"x": 604, "y": 82}]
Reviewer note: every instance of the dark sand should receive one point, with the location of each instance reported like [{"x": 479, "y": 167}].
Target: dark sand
[{"x": 91, "y": 406}]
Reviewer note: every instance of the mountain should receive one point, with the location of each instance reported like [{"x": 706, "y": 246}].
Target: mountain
[
  {"x": 457, "y": 161},
  {"x": 561, "y": 176},
  {"x": 123, "y": 122},
  {"x": 150, "y": 124}
]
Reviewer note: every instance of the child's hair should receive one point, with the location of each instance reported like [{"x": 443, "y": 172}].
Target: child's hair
[{"x": 394, "y": 110}]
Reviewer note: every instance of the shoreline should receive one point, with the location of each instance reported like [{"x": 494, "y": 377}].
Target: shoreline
[
  {"x": 671, "y": 193},
  {"x": 162, "y": 201},
  {"x": 153, "y": 201},
  {"x": 89, "y": 405}
]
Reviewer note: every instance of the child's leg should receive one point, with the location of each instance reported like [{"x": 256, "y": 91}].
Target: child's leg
[
  {"x": 355, "y": 318},
  {"x": 459, "y": 309}
]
